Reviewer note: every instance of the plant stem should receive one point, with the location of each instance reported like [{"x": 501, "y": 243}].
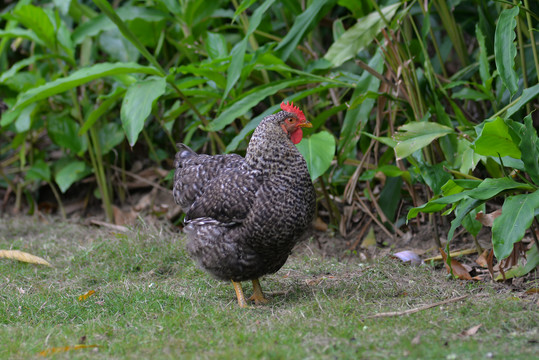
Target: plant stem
[
  {"x": 58, "y": 199},
  {"x": 522, "y": 56},
  {"x": 532, "y": 38}
]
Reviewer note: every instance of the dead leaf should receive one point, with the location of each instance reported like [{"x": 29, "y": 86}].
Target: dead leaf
[
  {"x": 482, "y": 259},
  {"x": 369, "y": 239},
  {"x": 124, "y": 217},
  {"x": 416, "y": 340},
  {"x": 55, "y": 350},
  {"x": 490, "y": 259},
  {"x": 23, "y": 256},
  {"x": 532, "y": 291},
  {"x": 471, "y": 331},
  {"x": 320, "y": 225},
  {"x": 458, "y": 269},
  {"x": 145, "y": 201},
  {"x": 488, "y": 219},
  {"x": 87, "y": 295}
]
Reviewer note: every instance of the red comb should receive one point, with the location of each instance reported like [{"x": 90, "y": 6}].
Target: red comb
[{"x": 293, "y": 109}]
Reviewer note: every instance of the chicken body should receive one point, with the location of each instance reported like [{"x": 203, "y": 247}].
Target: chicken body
[{"x": 244, "y": 215}]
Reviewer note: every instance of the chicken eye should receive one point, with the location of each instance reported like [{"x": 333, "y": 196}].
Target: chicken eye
[{"x": 290, "y": 120}]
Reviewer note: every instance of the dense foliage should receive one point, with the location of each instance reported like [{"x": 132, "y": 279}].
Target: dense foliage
[{"x": 400, "y": 94}]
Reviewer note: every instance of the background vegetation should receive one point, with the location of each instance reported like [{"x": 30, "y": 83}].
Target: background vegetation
[{"x": 418, "y": 107}]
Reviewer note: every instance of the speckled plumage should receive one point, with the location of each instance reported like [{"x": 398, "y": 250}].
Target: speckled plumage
[{"x": 244, "y": 215}]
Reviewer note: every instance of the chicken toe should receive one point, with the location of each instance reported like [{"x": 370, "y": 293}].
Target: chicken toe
[{"x": 258, "y": 295}]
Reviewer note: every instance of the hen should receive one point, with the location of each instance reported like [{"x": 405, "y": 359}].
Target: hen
[{"x": 244, "y": 215}]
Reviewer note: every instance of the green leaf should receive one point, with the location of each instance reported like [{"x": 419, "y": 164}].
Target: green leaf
[
  {"x": 245, "y": 4},
  {"x": 6, "y": 75},
  {"x": 390, "y": 197},
  {"x": 505, "y": 48},
  {"x": 488, "y": 189},
  {"x": 452, "y": 187},
  {"x": 35, "y": 19},
  {"x": 109, "y": 102},
  {"x": 529, "y": 145},
  {"x": 22, "y": 33},
  {"x": 318, "y": 151},
  {"x": 528, "y": 95},
  {"x": 359, "y": 36},
  {"x": 462, "y": 209},
  {"x": 69, "y": 174},
  {"x": 414, "y": 136},
  {"x": 104, "y": 6},
  {"x": 244, "y": 104},
  {"x": 238, "y": 52},
  {"x": 434, "y": 176},
  {"x": 216, "y": 46},
  {"x": 495, "y": 140},
  {"x": 484, "y": 68},
  {"x": 137, "y": 105},
  {"x": 39, "y": 171},
  {"x": 80, "y": 77},
  {"x": 383, "y": 139},
  {"x": 118, "y": 47},
  {"x": 302, "y": 23},
  {"x": 24, "y": 120},
  {"x": 428, "y": 207},
  {"x": 63, "y": 131},
  {"x": 470, "y": 223},
  {"x": 355, "y": 119},
  {"x": 470, "y": 94},
  {"x": 510, "y": 226},
  {"x": 110, "y": 135},
  {"x": 236, "y": 65}
]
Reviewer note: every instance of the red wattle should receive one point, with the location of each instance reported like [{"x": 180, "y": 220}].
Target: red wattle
[{"x": 296, "y": 136}]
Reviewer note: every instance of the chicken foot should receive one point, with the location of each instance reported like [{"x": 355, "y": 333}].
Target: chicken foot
[
  {"x": 258, "y": 295},
  {"x": 239, "y": 294}
]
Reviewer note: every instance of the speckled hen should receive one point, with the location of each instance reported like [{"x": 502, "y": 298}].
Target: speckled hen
[{"x": 244, "y": 215}]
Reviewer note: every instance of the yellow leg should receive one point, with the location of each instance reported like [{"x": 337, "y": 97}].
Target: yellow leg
[
  {"x": 239, "y": 294},
  {"x": 258, "y": 295}
]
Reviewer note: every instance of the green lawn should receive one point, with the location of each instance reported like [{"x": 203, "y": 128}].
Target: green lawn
[{"x": 151, "y": 301}]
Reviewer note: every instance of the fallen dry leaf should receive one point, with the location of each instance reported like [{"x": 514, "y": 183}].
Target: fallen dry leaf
[
  {"x": 488, "y": 219},
  {"x": 87, "y": 295},
  {"x": 320, "y": 225},
  {"x": 482, "y": 260},
  {"x": 532, "y": 291},
  {"x": 122, "y": 217},
  {"x": 416, "y": 340},
  {"x": 458, "y": 269},
  {"x": 55, "y": 350},
  {"x": 369, "y": 239},
  {"x": 471, "y": 331},
  {"x": 23, "y": 256}
]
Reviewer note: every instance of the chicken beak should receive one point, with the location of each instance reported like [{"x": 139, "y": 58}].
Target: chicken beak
[{"x": 305, "y": 124}]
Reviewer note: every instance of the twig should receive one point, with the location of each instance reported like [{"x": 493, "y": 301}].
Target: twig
[
  {"x": 368, "y": 212},
  {"x": 361, "y": 233},
  {"x": 411, "y": 311},
  {"x": 114, "y": 227},
  {"x": 141, "y": 179}
]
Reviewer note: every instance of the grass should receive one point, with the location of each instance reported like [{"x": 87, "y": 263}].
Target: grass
[{"x": 151, "y": 301}]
